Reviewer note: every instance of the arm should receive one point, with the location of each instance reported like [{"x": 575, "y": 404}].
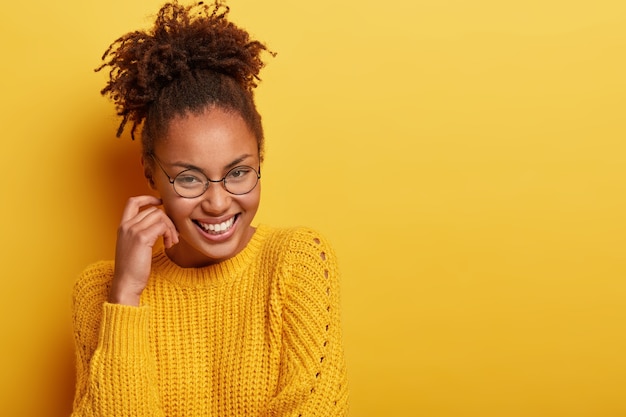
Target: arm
[
  {"x": 116, "y": 374},
  {"x": 313, "y": 373},
  {"x": 115, "y": 370}
]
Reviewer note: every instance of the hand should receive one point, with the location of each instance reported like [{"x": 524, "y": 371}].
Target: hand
[{"x": 141, "y": 226}]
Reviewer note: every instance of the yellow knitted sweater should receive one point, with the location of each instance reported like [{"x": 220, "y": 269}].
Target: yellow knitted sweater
[{"x": 256, "y": 335}]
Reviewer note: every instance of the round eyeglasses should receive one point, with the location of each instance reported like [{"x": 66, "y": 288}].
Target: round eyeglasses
[{"x": 192, "y": 182}]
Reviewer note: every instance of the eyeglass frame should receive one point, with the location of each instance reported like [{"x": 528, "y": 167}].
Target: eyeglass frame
[{"x": 209, "y": 180}]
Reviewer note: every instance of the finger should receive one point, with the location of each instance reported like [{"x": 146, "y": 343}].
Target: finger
[
  {"x": 154, "y": 222},
  {"x": 169, "y": 233},
  {"x": 170, "y": 238},
  {"x": 135, "y": 204},
  {"x": 141, "y": 216}
]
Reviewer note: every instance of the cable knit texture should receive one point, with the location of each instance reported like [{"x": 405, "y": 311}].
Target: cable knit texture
[{"x": 256, "y": 335}]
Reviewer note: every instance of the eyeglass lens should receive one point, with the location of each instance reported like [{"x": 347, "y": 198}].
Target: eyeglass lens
[{"x": 193, "y": 183}]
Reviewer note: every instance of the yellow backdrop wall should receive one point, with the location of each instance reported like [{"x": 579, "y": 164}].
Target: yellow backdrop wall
[{"x": 465, "y": 157}]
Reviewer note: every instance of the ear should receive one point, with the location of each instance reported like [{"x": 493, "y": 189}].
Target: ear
[{"x": 147, "y": 172}]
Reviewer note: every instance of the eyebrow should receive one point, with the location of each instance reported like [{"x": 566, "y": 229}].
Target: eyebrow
[
  {"x": 238, "y": 161},
  {"x": 228, "y": 166}
]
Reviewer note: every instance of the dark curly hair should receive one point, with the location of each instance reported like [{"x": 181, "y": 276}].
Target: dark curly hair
[{"x": 192, "y": 58}]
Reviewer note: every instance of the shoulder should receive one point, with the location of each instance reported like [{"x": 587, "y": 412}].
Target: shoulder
[
  {"x": 298, "y": 245},
  {"x": 306, "y": 261},
  {"x": 94, "y": 277},
  {"x": 298, "y": 239},
  {"x": 92, "y": 286}
]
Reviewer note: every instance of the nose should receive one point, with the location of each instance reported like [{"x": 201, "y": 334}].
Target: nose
[{"x": 215, "y": 199}]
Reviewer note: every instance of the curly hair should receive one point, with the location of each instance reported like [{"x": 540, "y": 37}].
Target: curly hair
[{"x": 192, "y": 58}]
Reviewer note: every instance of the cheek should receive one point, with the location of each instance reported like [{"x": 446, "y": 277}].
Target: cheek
[
  {"x": 177, "y": 208},
  {"x": 252, "y": 200}
]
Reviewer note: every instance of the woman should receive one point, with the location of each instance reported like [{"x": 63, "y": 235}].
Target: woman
[{"x": 226, "y": 319}]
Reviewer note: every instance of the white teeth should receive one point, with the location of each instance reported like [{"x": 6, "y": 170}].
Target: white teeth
[{"x": 218, "y": 228}]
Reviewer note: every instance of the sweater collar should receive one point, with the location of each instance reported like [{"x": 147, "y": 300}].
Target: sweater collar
[{"x": 164, "y": 267}]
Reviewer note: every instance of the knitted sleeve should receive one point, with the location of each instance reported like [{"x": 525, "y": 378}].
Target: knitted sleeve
[
  {"x": 116, "y": 375},
  {"x": 312, "y": 379}
]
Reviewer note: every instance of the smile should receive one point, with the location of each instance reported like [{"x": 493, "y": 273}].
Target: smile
[{"x": 217, "y": 228}]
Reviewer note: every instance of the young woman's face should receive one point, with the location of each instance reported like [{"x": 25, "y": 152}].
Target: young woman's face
[{"x": 216, "y": 225}]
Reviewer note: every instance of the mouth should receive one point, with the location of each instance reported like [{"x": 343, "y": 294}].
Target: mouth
[{"x": 217, "y": 228}]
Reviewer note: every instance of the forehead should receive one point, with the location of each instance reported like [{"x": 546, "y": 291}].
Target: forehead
[{"x": 211, "y": 138}]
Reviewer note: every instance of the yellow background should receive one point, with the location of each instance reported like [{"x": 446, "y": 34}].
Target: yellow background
[{"x": 465, "y": 157}]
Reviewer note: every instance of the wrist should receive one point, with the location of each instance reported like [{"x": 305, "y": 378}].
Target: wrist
[
  {"x": 124, "y": 299},
  {"x": 120, "y": 295}
]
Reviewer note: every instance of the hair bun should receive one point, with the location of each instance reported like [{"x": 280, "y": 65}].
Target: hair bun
[{"x": 184, "y": 40}]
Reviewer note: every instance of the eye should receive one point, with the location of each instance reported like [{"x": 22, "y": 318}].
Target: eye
[
  {"x": 238, "y": 173},
  {"x": 190, "y": 179}
]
